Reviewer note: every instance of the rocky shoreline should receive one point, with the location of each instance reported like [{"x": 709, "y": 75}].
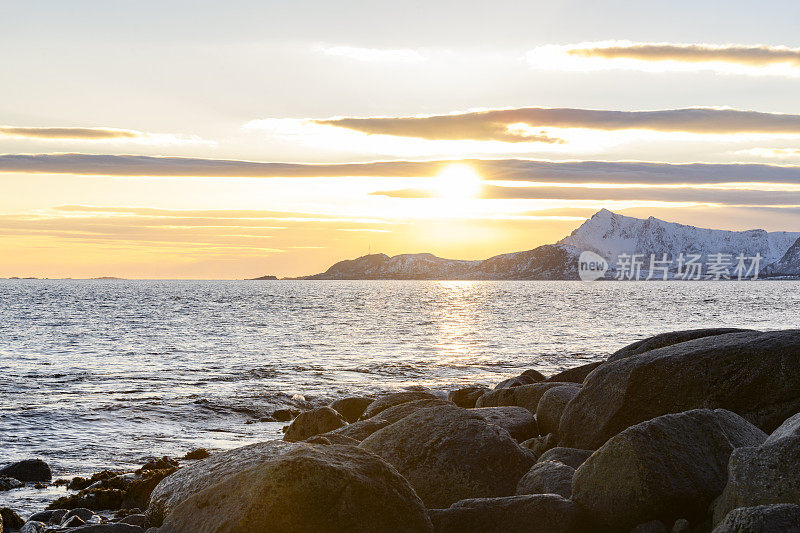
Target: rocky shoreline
[{"x": 688, "y": 431}]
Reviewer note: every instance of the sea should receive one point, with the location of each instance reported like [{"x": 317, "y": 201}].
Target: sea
[{"x": 105, "y": 374}]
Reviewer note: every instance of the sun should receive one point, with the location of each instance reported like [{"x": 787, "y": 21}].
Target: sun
[{"x": 458, "y": 181}]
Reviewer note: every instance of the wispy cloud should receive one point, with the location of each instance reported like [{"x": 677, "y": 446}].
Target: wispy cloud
[
  {"x": 514, "y": 125},
  {"x": 87, "y": 134},
  {"x": 98, "y": 135},
  {"x": 620, "y": 172},
  {"x": 728, "y": 58},
  {"x": 683, "y": 195},
  {"x": 374, "y": 55}
]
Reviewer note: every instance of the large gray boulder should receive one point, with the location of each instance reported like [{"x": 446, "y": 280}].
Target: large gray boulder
[
  {"x": 576, "y": 374},
  {"x": 775, "y": 518},
  {"x": 309, "y": 488},
  {"x": 552, "y": 405},
  {"x": 400, "y": 411},
  {"x": 667, "y": 468},
  {"x": 390, "y": 400},
  {"x": 310, "y": 423},
  {"x": 351, "y": 408},
  {"x": 467, "y": 396},
  {"x": 191, "y": 479},
  {"x": 547, "y": 477},
  {"x": 526, "y": 396},
  {"x": 518, "y": 421},
  {"x": 358, "y": 430},
  {"x": 765, "y": 474},
  {"x": 668, "y": 339},
  {"x": 450, "y": 454},
  {"x": 540, "y": 513},
  {"x": 756, "y": 375}
]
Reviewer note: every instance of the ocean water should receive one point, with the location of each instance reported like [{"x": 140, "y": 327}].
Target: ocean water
[{"x": 105, "y": 373}]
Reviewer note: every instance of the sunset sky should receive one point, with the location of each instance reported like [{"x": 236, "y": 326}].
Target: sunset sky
[{"x": 195, "y": 139}]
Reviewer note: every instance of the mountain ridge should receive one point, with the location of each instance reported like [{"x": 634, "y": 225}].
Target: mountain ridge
[{"x": 605, "y": 233}]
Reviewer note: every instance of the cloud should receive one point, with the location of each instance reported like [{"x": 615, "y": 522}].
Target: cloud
[
  {"x": 374, "y": 55},
  {"x": 514, "y": 125},
  {"x": 717, "y": 196},
  {"x": 620, "y": 172},
  {"x": 731, "y": 58},
  {"x": 87, "y": 134}
]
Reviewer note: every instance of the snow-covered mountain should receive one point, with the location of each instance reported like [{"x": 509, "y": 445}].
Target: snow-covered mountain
[
  {"x": 610, "y": 234},
  {"x": 788, "y": 266},
  {"x": 607, "y": 234},
  {"x": 545, "y": 262}
]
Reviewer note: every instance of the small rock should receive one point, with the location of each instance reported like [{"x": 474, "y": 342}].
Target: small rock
[
  {"x": 199, "y": 453},
  {"x": 775, "y": 518},
  {"x": 390, "y": 400},
  {"x": 159, "y": 464},
  {"x": 8, "y": 483},
  {"x": 32, "y": 527},
  {"x": 539, "y": 445},
  {"x": 569, "y": 456},
  {"x": 9, "y": 519},
  {"x": 548, "y": 477},
  {"x": 526, "y": 378},
  {"x": 46, "y": 516},
  {"x": 73, "y": 521},
  {"x": 84, "y": 514},
  {"x": 28, "y": 470},
  {"x": 358, "y": 430},
  {"x": 351, "y": 408},
  {"x": 467, "y": 396},
  {"x": 135, "y": 520},
  {"x": 285, "y": 415},
  {"x": 681, "y": 525},
  {"x": 314, "y": 422},
  {"x": 400, "y": 411},
  {"x": 526, "y": 396}
]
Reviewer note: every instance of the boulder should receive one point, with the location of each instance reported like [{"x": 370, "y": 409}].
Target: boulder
[
  {"x": 285, "y": 414},
  {"x": 309, "y": 488},
  {"x": 518, "y": 421},
  {"x": 653, "y": 526},
  {"x": 358, "y": 430},
  {"x": 548, "y": 477},
  {"x": 526, "y": 396},
  {"x": 390, "y": 400},
  {"x": 123, "y": 491},
  {"x": 668, "y": 339},
  {"x": 28, "y": 470},
  {"x": 526, "y": 378},
  {"x": 351, "y": 408},
  {"x": 775, "y": 518},
  {"x": 33, "y": 527},
  {"x": 332, "y": 438},
  {"x": 551, "y": 406},
  {"x": 106, "y": 528},
  {"x": 314, "y": 422},
  {"x": 765, "y": 474},
  {"x": 176, "y": 488},
  {"x": 575, "y": 374},
  {"x": 467, "y": 396},
  {"x": 450, "y": 454},
  {"x": 8, "y": 483},
  {"x": 400, "y": 411},
  {"x": 756, "y": 375},
  {"x": 569, "y": 456},
  {"x": 540, "y": 513},
  {"x": 539, "y": 445},
  {"x": 9, "y": 519},
  {"x": 667, "y": 468}
]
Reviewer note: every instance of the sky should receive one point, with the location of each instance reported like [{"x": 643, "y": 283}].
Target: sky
[{"x": 195, "y": 139}]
